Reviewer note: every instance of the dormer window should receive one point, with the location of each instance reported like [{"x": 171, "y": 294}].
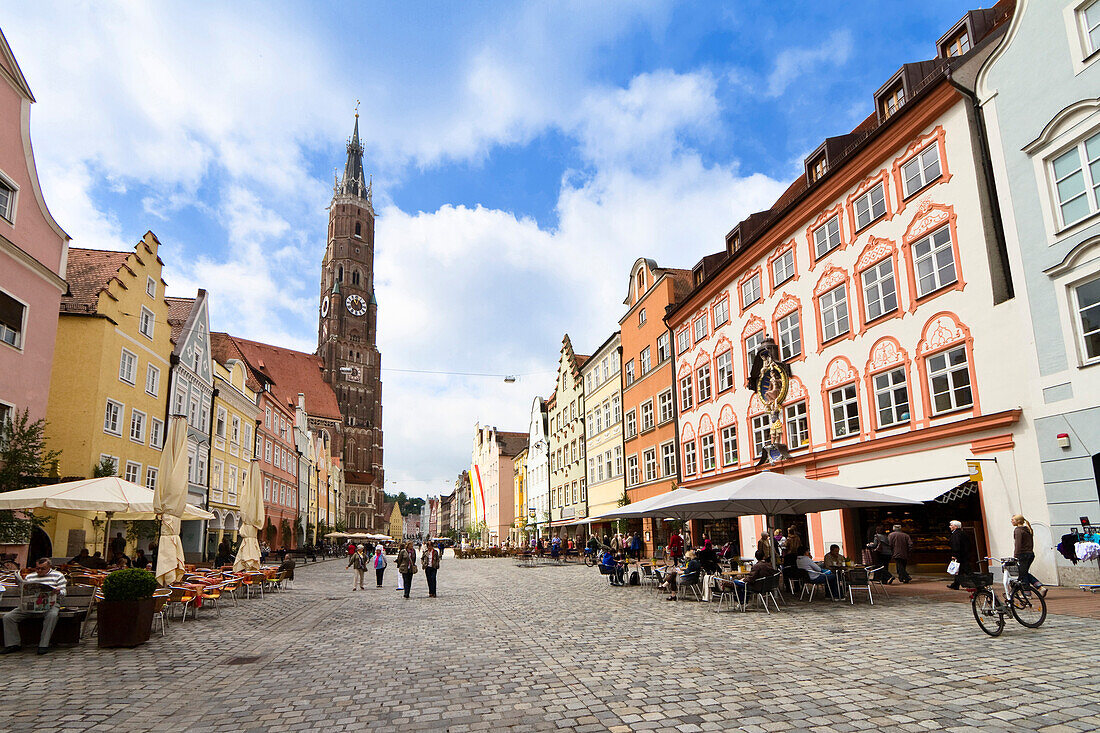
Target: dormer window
[
  {"x": 697, "y": 276},
  {"x": 641, "y": 282},
  {"x": 892, "y": 100},
  {"x": 734, "y": 242},
  {"x": 957, "y": 45},
  {"x": 817, "y": 168}
]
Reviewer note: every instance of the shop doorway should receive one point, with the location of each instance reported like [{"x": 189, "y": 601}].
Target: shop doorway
[{"x": 927, "y": 524}]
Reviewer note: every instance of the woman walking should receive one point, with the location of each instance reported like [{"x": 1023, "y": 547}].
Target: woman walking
[
  {"x": 1024, "y": 551},
  {"x": 880, "y": 549},
  {"x": 379, "y": 563},
  {"x": 406, "y": 565},
  {"x": 358, "y": 561}
]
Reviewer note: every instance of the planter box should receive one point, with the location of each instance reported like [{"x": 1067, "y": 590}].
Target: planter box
[{"x": 125, "y": 623}]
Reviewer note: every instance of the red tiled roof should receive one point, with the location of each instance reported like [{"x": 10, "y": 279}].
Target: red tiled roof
[
  {"x": 178, "y": 311},
  {"x": 291, "y": 372},
  {"x": 223, "y": 348},
  {"x": 512, "y": 443},
  {"x": 89, "y": 271}
]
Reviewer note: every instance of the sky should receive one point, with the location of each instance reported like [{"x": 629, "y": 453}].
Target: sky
[{"x": 524, "y": 156}]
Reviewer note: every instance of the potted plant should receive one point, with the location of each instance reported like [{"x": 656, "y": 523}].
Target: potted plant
[{"x": 126, "y": 611}]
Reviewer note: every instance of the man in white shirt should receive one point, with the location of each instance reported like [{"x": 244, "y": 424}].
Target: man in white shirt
[
  {"x": 817, "y": 574},
  {"x": 47, "y": 603}
]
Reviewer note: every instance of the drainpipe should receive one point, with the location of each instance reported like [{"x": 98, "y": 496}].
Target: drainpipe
[{"x": 209, "y": 470}]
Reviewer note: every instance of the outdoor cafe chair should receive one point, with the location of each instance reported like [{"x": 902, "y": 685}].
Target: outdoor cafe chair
[
  {"x": 211, "y": 594},
  {"x": 730, "y": 592},
  {"x": 161, "y": 597},
  {"x": 859, "y": 579},
  {"x": 692, "y": 582},
  {"x": 646, "y": 576},
  {"x": 759, "y": 591},
  {"x": 874, "y": 577},
  {"x": 231, "y": 585},
  {"x": 253, "y": 583},
  {"x": 182, "y": 598},
  {"x": 90, "y": 627}
]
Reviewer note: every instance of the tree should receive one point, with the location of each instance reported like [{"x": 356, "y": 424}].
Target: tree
[
  {"x": 284, "y": 527},
  {"x": 142, "y": 529},
  {"x": 23, "y": 461},
  {"x": 621, "y": 525},
  {"x": 105, "y": 467}
]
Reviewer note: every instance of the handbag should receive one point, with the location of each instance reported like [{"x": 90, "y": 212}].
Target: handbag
[{"x": 953, "y": 567}]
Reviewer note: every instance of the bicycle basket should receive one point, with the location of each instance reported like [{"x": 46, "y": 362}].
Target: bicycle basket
[{"x": 977, "y": 580}]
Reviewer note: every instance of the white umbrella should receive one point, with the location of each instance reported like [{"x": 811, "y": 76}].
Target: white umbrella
[
  {"x": 124, "y": 500},
  {"x": 169, "y": 501},
  {"x": 643, "y": 507},
  {"x": 252, "y": 521}
]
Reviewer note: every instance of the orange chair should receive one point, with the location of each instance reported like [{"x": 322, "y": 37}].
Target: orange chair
[
  {"x": 182, "y": 598},
  {"x": 231, "y": 585},
  {"x": 253, "y": 583},
  {"x": 211, "y": 594}
]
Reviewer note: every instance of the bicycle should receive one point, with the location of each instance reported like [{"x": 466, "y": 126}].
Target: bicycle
[
  {"x": 1025, "y": 605},
  {"x": 8, "y": 562}
]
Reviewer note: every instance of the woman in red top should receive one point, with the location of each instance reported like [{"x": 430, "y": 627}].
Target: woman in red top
[{"x": 676, "y": 545}]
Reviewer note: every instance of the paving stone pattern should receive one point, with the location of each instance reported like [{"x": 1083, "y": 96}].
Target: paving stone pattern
[{"x": 555, "y": 648}]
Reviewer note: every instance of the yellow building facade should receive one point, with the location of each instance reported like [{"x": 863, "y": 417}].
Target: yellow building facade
[
  {"x": 519, "y": 498},
  {"x": 232, "y": 447},
  {"x": 396, "y": 526},
  {"x": 109, "y": 384}
]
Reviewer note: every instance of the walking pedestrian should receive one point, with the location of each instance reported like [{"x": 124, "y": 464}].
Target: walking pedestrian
[
  {"x": 962, "y": 552},
  {"x": 379, "y": 563},
  {"x": 406, "y": 565},
  {"x": 675, "y": 545},
  {"x": 616, "y": 543},
  {"x": 901, "y": 545},
  {"x": 1024, "y": 552},
  {"x": 359, "y": 562},
  {"x": 429, "y": 559},
  {"x": 636, "y": 546},
  {"x": 880, "y": 550}
]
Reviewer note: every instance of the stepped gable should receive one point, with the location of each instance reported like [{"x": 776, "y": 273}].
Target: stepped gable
[{"x": 89, "y": 271}]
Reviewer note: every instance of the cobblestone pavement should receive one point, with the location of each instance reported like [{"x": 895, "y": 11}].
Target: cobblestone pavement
[{"x": 555, "y": 648}]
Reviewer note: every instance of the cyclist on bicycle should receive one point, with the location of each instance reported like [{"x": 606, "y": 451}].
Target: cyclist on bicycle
[{"x": 1024, "y": 552}]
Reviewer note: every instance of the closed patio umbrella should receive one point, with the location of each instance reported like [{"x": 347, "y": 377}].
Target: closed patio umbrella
[
  {"x": 170, "y": 501},
  {"x": 252, "y": 521}
]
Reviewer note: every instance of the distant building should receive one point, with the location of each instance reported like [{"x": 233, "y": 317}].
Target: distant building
[
  {"x": 603, "y": 429},
  {"x": 491, "y": 480},
  {"x": 538, "y": 470},
  {"x": 568, "y": 483}
]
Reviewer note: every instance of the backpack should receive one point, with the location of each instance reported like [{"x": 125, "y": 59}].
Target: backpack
[{"x": 635, "y": 579}]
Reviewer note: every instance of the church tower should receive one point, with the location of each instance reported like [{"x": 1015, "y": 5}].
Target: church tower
[{"x": 347, "y": 337}]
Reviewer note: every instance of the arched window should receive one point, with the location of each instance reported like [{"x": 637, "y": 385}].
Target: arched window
[
  {"x": 355, "y": 275},
  {"x": 340, "y": 274},
  {"x": 358, "y": 229}
]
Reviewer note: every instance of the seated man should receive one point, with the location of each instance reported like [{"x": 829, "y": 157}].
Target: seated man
[
  {"x": 82, "y": 558},
  {"x": 96, "y": 562},
  {"x": 833, "y": 558},
  {"x": 816, "y": 574},
  {"x": 762, "y": 569},
  {"x": 47, "y": 603},
  {"x": 609, "y": 566},
  {"x": 287, "y": 567}
]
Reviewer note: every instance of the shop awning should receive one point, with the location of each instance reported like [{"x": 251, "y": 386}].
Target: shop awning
[{"x": 941, "y": 490}]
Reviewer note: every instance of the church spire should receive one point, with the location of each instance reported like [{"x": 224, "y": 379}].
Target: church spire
[{"x": 352, "y": 184}]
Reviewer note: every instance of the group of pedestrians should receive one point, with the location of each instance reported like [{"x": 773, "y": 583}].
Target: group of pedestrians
[{"x": 360, "y": 560}]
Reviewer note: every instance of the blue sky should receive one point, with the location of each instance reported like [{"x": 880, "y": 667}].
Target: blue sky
[{"x": 524, "y": 155}]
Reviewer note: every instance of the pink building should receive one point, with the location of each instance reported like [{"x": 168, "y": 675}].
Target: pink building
[{"x": 33, "y": 253}]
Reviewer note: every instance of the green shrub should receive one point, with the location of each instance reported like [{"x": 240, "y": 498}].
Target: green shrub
[{"x": 129, "y": 584}]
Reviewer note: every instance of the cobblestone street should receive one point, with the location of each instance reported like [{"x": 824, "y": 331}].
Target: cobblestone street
[{"x": 555, "y": 648}]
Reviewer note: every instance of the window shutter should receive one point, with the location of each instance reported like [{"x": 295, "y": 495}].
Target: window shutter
[{"x": 11, "y": 312}]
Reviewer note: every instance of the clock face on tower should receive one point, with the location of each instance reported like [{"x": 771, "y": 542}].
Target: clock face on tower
[
  {"x": 324, "y": 307},
  {"x": 356, "y": 305}
]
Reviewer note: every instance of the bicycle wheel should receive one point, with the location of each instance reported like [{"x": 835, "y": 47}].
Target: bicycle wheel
[
  {"x": 1028, "y": 607},
  {"x": 589, "y": 560},
  {"x": 986, "y": 614}
]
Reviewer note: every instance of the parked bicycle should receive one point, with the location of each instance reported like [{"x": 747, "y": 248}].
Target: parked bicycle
[{"x": 1018, "y": 599}]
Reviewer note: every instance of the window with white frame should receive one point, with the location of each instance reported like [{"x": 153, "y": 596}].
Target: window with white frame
[
  {"x": 798, "y": 425},
  {"x": 641, "y": 317},
  {"x": 665, "y": 409},
  {"x": 616, "y": 408},
  {"x": 7, "y": 412},
  {"x": 151, "y": 478},
  {"x": 267, "y": 451},
  {"x": 683, "y": 340},
  {"x": 220, "y": 419},
  {"x": 631, "y": 470},
  {"x": 844, "y": 406},
  {"x": 127, "y": 367},
  {"x": 267, "y": 489},
  {"x": 880, "y": 293},
  {"x": 111, "y": 460},
  {"x": 1076, "y": 178},
  {"x": 606, "y": 366},
  {"x": 750, "y": 291},
  {"x": 644, "y": 362},
  {"x": 690, "y": 465},
  {"x": 761, "y": 433},
  {"x": 921, "y": 169},
  {"x": 7, "y": 201},
  {"x": 934, "y": 261},
  {"x": 137, "y": 426},
  {"x": 706, "y": 451},
  {"x": 617, "y": 456},
  {"x": 752, "y": 343},
  {"x": 701, "y": 328},
  {"x": 834, "y": 313},
  {"x": 267, "y": 418},
  {"x": 152, "y": 380},
  {"x": 12, "y": 318},
  {"x": 664, "y": 347},
  {"x": 702, "y": 380},
  {"x": 200, "y": 470},
  {"x": 231, "y": 485},
  {"x": 235, "y": 431},
  {"x": 631, "y": 426},
  {"x": 1086, "y": 298},
  {"x": 723, "y": 364},
  {"x": 156, "y": 432},
  {"x": 1089, "y": 19},
  {"x": 649, "y": 464},
  {"x": 870, "y": 206},
  {"x": 721, "y": 313},
  {"x": 607, "y": 464},
  {"x": 112, "y": 418},
  {"x": 647, "y": 415},
  {"x": 949, "y": 380},
  {"x": 958, "y": 44},
  {"x": 595, "y": 422},
  {"x": 729, "y": 445},
  {"x": 592, "y": 471},
  {"x": 686, "y": 393},
  {"x": 783, "y": 267},
  {"x": 788, "y": 330},
  {"x": 628, "y": 372},
  {"x": 668, "y": 459},
  {"x": 146, "y": 322},
  {"x": 891, "y": 397},
  {"x": 133, "y": 472},
  {"x": 827, "y": 237},
  {"x": 193, "y": 414},
  {"x": 150, "y": 287}
]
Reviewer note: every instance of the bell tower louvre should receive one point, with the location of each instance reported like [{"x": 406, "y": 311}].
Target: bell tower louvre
[{"x": 347, "y": 337}]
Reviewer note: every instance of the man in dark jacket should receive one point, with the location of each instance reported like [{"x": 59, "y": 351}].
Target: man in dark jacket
[
  {"x": 962, "y": 550},
  {"x": 902, "y": 546}
]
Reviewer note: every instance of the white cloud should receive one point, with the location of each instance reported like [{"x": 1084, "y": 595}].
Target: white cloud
[{"x": 793, "y": 63}]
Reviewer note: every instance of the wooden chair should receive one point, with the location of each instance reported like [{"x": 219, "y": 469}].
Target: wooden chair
[
  {"x": 160, "y": 605},
  {"x": 182, "y": 598},
  {"x": 253, "y": 583}
]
